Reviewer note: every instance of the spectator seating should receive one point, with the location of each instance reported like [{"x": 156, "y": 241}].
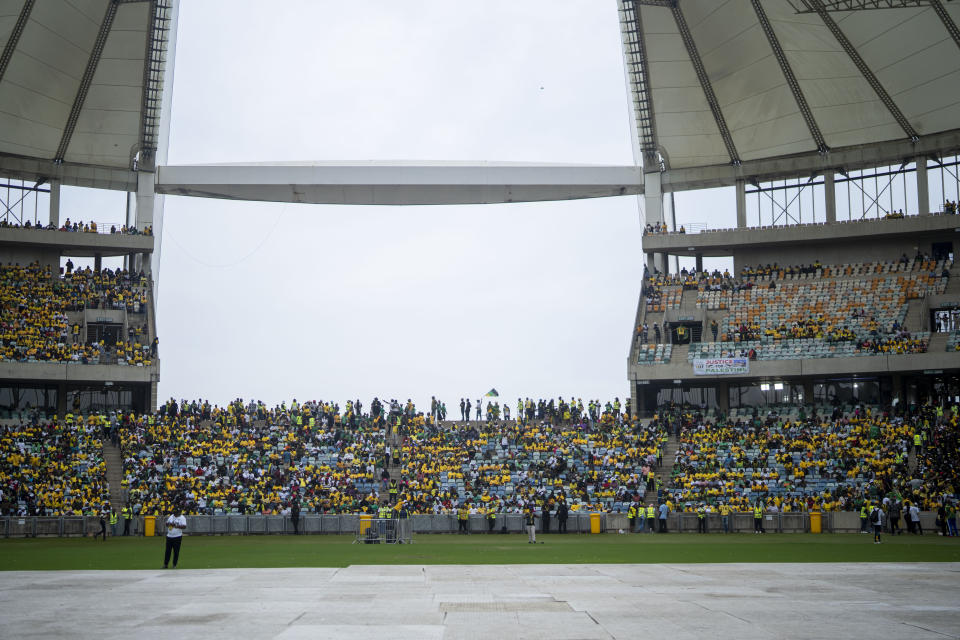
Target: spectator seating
[
  {"x": 34, "y": 321},
  {"x": 649, "y": 354},
  {"x": 52, "y": 467}
]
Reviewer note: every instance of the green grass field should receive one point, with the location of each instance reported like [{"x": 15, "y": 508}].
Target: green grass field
[{"x": 215, "y": 552}]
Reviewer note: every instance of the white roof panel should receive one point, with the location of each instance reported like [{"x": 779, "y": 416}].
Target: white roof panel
[
  {"x": 909, "y": 51},
  {"x": 40, "y": 86}
]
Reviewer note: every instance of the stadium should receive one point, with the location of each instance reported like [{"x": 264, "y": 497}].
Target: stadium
[{"x": 787, "y": 439}]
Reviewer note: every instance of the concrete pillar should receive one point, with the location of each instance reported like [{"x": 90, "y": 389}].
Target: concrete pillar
[
  {"x": 699, "y": 262},
  {"x": 923, "y": 188},
  {"x": 664, "y": 265},
  {"x": 808, "y": 392},
  {"x": 61, "y": 400},
  {"x": 97, "y": 262},
  {"x": 896, "y": 389},
  {"x": 741, "y": 204},
  {"x": 55, "y": 203},
  {"x": 145, "y": 200},
  {"x": 830, "y": 195},
  {"x": 652, "y": 198},
  {"x": 723, "y": 396}
]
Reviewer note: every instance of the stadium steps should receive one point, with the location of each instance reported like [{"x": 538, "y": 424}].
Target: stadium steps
[
  {"x": 114, "y": 462},
  {"x": 938, "y": 342},
  {"x": 679, "y": 353},
  {"x": 665, "y": 472},
  {"x": 915, "y": 320},
  {"x": 953, "y": 282}
]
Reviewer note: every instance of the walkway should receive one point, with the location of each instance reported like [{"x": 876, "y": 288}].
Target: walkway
[{"x": 532, "y": 601}]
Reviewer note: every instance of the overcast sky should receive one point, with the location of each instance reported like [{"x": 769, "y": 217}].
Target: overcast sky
[{"x": 274, "y": 301}]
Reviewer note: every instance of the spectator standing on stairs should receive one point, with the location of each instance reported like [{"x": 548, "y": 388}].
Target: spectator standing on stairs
[
  {"x": 479, "y": 406},
  {"x": 656, "y": 333},
  {"x": 714, "y": 328}
]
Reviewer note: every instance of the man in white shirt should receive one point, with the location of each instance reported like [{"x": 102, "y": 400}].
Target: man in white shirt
[{"x": 176, "y": 523}]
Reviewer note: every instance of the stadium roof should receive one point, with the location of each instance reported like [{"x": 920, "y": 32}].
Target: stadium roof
[
  {"x": 81, "y": 80},
  {"x": 743, "y": 82}
]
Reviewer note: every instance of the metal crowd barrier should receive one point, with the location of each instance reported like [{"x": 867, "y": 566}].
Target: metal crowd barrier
[{"x": 314, "y": 524}]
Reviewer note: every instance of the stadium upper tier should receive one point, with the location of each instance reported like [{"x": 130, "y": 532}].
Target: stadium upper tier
[
  {"x": 248, "y": 458},
  {"x": 42, "y": 316},
  {"x": 790, "y": 312}
]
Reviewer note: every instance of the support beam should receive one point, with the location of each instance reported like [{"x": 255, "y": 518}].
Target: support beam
[
  {"x": 923, "y": 187},
  {"x": 830, "y": 195},
  {"x": 86, "y": 80},
  {"x": 638, "y": 77},
  {"x": 741, "y": 204},
  {"x": 55, "y": 203},
  {"x": 791, "y": 79},
  {"x": 14, "y": 38},
  {"x": 864, "y": 70},
  {"x": 698, "y": 262},
  {"x": 801, "y": 165},
  {"x": 947, "y": 21},
  {"x": 68, "y": 173},
  {"x": 400, "y": 184},
  {"x": 705, "y": 84}
]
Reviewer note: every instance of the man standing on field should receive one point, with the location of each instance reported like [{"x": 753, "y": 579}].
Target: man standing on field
[{"x": 176, "y": 524}]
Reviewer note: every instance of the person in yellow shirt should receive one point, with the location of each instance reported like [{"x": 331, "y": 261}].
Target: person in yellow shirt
[{"x": 725, "y": 516}]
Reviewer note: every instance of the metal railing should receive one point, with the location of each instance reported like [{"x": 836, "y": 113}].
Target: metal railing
[{"x": 350, "y": 524}]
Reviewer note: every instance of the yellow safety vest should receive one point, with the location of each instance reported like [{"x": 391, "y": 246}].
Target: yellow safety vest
[
  {"x": 757, "y": 513},
  {"x": 651, "y": 513}
]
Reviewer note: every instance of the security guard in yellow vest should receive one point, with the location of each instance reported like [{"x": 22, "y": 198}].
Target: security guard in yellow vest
[
  {"x": 114, "y": 521},
  {"x": 127, "y": 514},
  {"x": 632, "y": 518},
  {"x": 394, "y": 490},
  {"x": 758, "y": 518},
  {"x": 864, "y": 512},
  {"x": 701, "y": 518},
  {"x": 463, "y": 517},
  {"x": 651, "y": 518},
  {"x": 491, "y": 518}
]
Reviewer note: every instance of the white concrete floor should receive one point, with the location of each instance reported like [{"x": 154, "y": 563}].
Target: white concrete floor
[{"x": 554, "y": 602}]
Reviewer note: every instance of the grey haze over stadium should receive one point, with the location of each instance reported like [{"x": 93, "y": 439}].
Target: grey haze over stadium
[{"x": 724, "y": 93}]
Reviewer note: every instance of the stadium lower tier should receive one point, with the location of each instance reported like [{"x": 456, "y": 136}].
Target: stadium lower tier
[{"x": 311, "y": 458}]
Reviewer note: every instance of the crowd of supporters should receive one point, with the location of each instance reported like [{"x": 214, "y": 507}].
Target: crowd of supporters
[
  {"x": 77, "y": 227},
  {"x": 34, "y": 307},
  {"x": 801, "y": 461},
  {"x": 53, "y": 467},
  {"x": 317, "y": 457}
]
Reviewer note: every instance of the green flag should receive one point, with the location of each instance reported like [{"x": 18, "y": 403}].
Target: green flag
[{"x": 492, "y": 394}]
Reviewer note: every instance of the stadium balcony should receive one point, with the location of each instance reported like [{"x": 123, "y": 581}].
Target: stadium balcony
[
  {"x": 67, "y": 334},
  {"x": 24, "y": 245},
  {"x": 792, "y": 242}
]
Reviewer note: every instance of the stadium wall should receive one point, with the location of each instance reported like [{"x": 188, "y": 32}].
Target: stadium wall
[{"x": 348, "y": 524}]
